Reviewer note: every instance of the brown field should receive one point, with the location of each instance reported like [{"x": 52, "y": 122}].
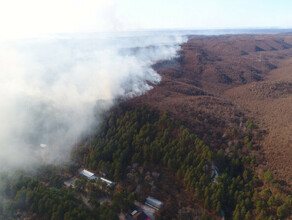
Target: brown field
[{"x": 221, "y": 81}]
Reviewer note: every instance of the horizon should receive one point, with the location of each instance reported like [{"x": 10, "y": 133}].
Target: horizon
[
  {"x": 214, "y": 31},
  {"x": 34, "y": 18}
]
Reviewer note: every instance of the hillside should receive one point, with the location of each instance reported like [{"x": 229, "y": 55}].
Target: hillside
[
  {"x": 269, "y": 103},
  {"x": 218, "y": 82}
]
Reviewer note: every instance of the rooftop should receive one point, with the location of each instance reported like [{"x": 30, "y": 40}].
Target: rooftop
[{"x": 87, "y": 173}]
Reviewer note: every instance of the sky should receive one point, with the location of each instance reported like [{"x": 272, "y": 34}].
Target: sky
[{"x": 31, "y": 18}]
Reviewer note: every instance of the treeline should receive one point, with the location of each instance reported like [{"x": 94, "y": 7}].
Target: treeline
[{"x": 142, "y": 136}]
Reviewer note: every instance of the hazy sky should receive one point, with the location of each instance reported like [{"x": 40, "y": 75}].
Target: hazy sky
[{"x": 19, "y": 18}]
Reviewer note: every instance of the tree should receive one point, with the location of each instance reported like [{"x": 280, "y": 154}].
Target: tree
[
  {"x": 266, "y": 193},
  {"x": 218, "y": 208},
  {"x": 80, "y": 184},
  {"x": 260, "y": 205},
  {"x": 246, "y": 139},
  {"x": 245, "y": 175},
  {"x": 271, "y": 201},
  {"x": 122, "y": 200},
  {"x": 288, "y": 201},
  {"x": 234, "y": 131},
  {"x": 247, "y": 216},
  {"x": 207, "y": 203},
  {"x": 268, "y": 176},
  {"x": 282, "y": 211}
]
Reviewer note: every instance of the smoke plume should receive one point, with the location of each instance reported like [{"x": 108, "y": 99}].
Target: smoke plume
[{"x": 52, "y": 88}]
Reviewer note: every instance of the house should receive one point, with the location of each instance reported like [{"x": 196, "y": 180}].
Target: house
[{"x": 153, "y": 202}]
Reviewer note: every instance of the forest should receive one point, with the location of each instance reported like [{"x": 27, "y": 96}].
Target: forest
[
  {"x": 223, "y": 182},
  {"x": 142, "y": 135},
  {"x": 28, "y": 197}
]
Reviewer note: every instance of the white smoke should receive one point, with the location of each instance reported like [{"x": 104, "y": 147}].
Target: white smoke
[{"x": 51, "y": 88}]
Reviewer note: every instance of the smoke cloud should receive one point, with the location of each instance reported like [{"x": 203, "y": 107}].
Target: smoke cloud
[{"x": 52, "y": 88}]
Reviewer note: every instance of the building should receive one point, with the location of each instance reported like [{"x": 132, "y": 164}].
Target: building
[
  {"x": 137, "y": 215},
  {"x": 141, "y": 216},
  {"x": 91, "y": 176},
  {"x": 70, "y": 182},
  {"x": 153, "y": 202},
  {"x": 88, "y": 174},
  {"x": 108, "y": 182}
]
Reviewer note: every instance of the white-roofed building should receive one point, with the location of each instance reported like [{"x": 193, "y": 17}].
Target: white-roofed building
[
  {"x": 88, "y": 174},
  {"x": 134, "y": 212},
  {"x": 108, "y": 182},
  {"x": 153, "y": 202}
]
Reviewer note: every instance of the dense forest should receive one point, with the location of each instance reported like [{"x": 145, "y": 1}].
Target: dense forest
[
  {"x": 28, "y": 197},
  {"x": 223, "y": 182},
  {"x": 31, "y": 196},
  {"x": 143, "y": 136}
]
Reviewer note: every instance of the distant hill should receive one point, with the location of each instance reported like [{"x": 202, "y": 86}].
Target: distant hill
[{"x": 202, "y": 88}]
